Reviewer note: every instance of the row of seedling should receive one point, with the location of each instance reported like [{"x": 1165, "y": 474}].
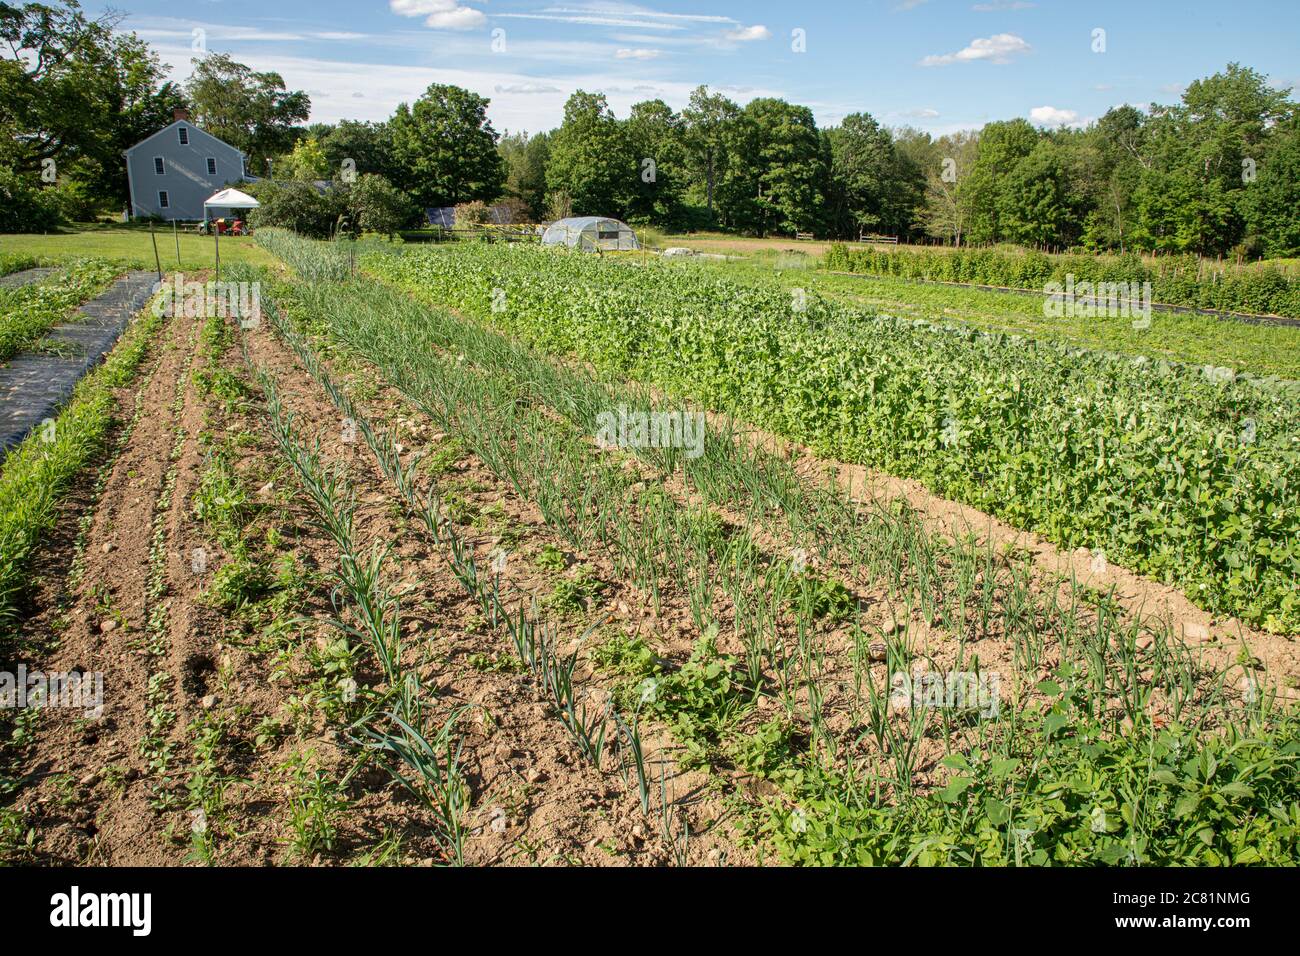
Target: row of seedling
[{"x": 534, "y": 641}]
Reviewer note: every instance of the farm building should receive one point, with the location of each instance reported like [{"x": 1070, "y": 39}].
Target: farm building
[
  {"x": 173, "y": 171},
  {"x": 591, "y": 234}
]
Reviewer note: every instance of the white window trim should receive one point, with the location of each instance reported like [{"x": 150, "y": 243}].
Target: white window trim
[
  {"x": 164, "y": 200},
  {"x": 212, "y": 165},
  {"x": 183, "y": 135},
  {"x": 159, "y": 160}
]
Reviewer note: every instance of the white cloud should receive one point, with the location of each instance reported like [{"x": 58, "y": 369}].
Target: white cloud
[
  {"x": 923, "y": 113},
  {"x": 439, "y": 14},
  {"x": 998, "y": 48},
  {"x": 909, "y": 5},
  {"x": 746, "y": 34},
  {"x": 638, "y": 54},
  {"x": 1053, "y": 117}
]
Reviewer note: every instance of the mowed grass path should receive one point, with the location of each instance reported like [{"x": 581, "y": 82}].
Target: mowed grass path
[
  {"x": 1263, "y": 349},
  {"x": 131, "y": 246}
]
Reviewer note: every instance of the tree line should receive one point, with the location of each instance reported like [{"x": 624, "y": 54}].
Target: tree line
[{"x": 1216, "y": 173}]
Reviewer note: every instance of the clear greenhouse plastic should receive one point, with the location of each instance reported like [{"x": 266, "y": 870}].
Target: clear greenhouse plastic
[{"x": 591, "y": 234}]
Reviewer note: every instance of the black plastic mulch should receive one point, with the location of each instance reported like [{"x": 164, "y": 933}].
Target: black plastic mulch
[{"x": 34, "y": 385}]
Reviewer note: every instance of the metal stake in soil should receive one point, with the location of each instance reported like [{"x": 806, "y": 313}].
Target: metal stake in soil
[{"x": 156, "y": 261}]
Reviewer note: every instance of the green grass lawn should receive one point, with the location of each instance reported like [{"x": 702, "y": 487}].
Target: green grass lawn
[{"x": 130, "y": 245}]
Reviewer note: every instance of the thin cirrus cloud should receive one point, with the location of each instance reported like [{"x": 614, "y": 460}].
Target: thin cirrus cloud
[
  {"x": 621, "y": 15},
  {"x": 227, "y": 33},
  {"x": 592, "y": 20},
  {"x": 749, "y": 34},
  {"x": 637, "y": 54},
  {"x": 999, "y": 48},
  {"x": 657, "y": 23},
  {"x": 440, "y": 14},
  {"x": 1002, "y": 6},
  {"x": 525, "y": 89}
]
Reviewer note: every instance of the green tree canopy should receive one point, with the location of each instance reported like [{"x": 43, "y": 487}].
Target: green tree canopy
[
  {"x": 782, "y": 160},
  {"x": 446, "y": 148},
  {"x": 249, "y": 110},
  {"x": 872, "y": 185},
  {"x": 706, "y": 123},
  {"x": 525, "y": 158},
  {"x": 656, "y": 139},
  {"x": 591, "y": 162},
  {"x": 74, "y": 91}
]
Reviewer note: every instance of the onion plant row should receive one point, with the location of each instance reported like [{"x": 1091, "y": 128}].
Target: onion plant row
[
  {"x": 398, "y": 723},
  {"x": 534, "y": 640}
]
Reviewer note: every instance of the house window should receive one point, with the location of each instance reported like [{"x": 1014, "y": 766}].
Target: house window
[
  {"x": 162, "y": 199},
  {"x": 184, "y": 134},
  {"x": 212, "y": 166},
  {"x": 158, "y": 166}
]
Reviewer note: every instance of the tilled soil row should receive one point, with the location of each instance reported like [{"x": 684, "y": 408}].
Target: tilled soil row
[
  {"x": 100, "y": 623},
  {"x": 535, "y": 799}
]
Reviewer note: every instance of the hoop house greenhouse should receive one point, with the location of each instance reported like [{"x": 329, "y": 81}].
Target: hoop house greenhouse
[{"x": 591, "y": 234}]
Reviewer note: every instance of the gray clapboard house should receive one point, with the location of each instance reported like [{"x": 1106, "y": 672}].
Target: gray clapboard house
[{"x": 171, "y": 172}]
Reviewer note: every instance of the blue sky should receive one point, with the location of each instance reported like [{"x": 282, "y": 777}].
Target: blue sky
[{"x": 940, "y": 65}]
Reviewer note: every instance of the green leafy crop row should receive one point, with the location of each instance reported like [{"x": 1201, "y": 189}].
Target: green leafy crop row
[
  {"x": 1069, "y": 795},
  {"x": 16, "y": 262},
  {"x": 28, "y": 312},
  {"x": 1189, "y": 475}
]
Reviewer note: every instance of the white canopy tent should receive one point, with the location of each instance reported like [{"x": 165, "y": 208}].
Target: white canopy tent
[{"x": 228, "y": 199}]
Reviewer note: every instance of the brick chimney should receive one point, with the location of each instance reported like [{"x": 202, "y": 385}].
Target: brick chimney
[{"x": 180, "y": 113}]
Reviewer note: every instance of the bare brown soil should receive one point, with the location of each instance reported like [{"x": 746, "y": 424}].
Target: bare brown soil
[{"x": 97, "y": 797}]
